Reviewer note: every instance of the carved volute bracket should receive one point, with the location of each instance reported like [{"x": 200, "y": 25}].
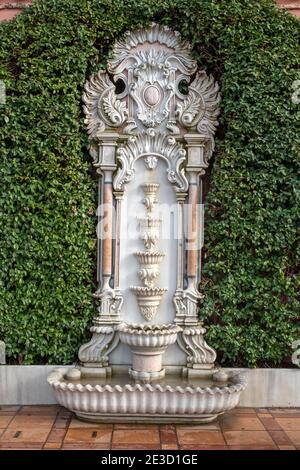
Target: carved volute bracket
[{"x": 199, "y": 354}]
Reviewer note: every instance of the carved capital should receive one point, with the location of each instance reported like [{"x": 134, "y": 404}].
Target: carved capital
[
  {"x": 109, "y": 302},
  {"x": 186, "y": 303}
]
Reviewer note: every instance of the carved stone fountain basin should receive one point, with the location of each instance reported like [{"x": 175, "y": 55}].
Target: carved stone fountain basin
[
  {"x": 147, "y": 344},
  {"x": 172, "y": 399}
]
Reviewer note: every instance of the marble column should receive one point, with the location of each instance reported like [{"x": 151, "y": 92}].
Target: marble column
[
  {"x": 191, "y": 340},
  {"x": 94, "y": 354}
]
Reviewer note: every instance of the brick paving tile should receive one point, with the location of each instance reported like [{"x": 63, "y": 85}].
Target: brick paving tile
[
  {"x": 203, "y": 447},
  {"x": 27, "y": 435},
  {"x": 264, "y": 415},
  {"x": 92, "y": 436},
  {"x": 202, "y": 427},
  {"x": 41, "y": 410},
  {"x": 243, "y": 411},
  {"x": 285, "y": 412},
  {"x": 287, "y": 447},
  {"x": 168, "y": 427},
  {"x": 290, "y": 424},
  {"x": 8, "y": 413},
  {"x": 150, "y": 427},
  {"x": 52, "y": 445},
  {"x": 271, "y": 424},
  {"x": 85, "y": 446},
  {"x": 62, "y": 422},
  {"x": 53, "y": 427},
  {"x": 76, "y": 423},
  {"x": 56, "y": 435},
  {"x": 240, "y": 423},
  {"x": 294, "y": 436},
  {"x": 189, "y": 435},
  {"x": 253, "y": 447},
  {"x": 9, "y": 408},
  {"x": 248, "y": 438},
  {"x": 20, "y": 446},
  {"x": 64, "y": 412},
  {"x": 31, "y": 421},
  {"x": 279, "y": 437},
  {"x": 168, "y": 435},
  {"x": 5, "y": 420},
  {"x": 261, "y": 410},
  {"x": 134, "y": 446},
  {"x": 136, "y": 436}
]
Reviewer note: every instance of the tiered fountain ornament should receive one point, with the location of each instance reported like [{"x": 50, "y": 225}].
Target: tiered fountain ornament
[
  {"x": 146, "y": 132},
  {"x": 149, "y": 295},
  {"x": 148, "y": 342}
]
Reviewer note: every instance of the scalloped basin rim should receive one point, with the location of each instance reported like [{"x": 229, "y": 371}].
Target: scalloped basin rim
[
  {"x": 56, "y": 379},
  {"x": 119, "y": 400},
  {"x": 144, "y": 329}
]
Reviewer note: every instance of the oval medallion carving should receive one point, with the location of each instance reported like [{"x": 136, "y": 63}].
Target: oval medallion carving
[{"x": 152, "y": 95}]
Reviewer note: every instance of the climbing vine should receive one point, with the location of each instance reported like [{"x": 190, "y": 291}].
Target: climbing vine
[{"x": 47, "y": 200}]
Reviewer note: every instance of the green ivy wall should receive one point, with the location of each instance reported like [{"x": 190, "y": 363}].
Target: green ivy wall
[{"x": 47, "y": 199}]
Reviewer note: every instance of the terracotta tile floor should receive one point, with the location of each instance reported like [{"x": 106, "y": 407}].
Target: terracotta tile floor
[{"x": 53, "y": 427}]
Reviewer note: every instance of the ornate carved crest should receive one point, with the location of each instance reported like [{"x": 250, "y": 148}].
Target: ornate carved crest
[{"x": 144, "y": 95}]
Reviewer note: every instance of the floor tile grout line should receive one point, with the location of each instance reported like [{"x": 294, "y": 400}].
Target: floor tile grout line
[
  {"x": 177, "y": 440},
  {"x": 45, "y": 442},
  {"x": 281, "y": 430},
  {"x": 68, "y": 422},
  {"x": 112, "y": 436},
  {"x": 286, "y": 436},
  {"x": 260, "y": 419},
  {"x": 160, "y": 436},
  {"x": 224, "y": 438}
]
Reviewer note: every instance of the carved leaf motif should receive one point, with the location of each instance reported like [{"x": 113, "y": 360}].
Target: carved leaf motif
[
  {"x": 188, "y": 110},
  {"x": 114, "y": 108},
  {"x": 102, "y": 108},
  {"x": 209, "y": 91},
  {"x": 201, "y": 107},
  {"x": 94, "y": 88},
  {"x": 151, "y": 162}
]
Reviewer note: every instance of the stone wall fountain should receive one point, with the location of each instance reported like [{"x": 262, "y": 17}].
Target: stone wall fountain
[{"x": 147, "y": 359}]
